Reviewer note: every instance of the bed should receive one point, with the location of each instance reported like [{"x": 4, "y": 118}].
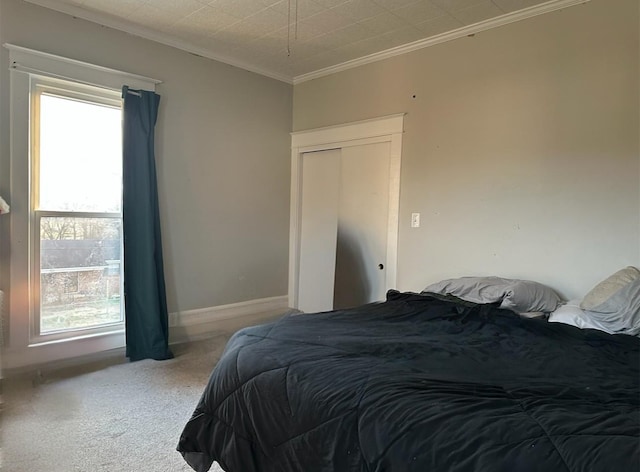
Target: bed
[{"x": 419, "y": 382}]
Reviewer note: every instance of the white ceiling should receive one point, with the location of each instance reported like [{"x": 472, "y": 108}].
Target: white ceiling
[{"x": 295, "y": 40}]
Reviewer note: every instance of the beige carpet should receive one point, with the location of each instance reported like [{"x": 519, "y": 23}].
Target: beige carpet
[{"x": 106, "y": 418}]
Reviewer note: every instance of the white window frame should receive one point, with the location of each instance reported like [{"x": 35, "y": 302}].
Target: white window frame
[
  {"x": 65, "y": 88},
  {"x": 28, "y": 66}
]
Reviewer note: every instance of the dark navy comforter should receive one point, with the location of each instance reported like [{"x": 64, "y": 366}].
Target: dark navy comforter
[{"x": 419, "y": 383}]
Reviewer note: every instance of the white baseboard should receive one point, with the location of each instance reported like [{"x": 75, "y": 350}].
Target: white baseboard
[
  {"x": 190, "y": 325},
  {"x": 225, "y": 312}
]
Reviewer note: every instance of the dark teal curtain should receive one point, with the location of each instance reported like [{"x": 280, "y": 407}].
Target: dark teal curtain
[{"x": 146, "y": 316}]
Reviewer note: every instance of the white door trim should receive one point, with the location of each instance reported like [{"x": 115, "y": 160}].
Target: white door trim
[{"x": 384, "y": 129}]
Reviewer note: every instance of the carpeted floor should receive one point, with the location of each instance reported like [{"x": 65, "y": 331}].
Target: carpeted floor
[{"x": 106, "y": 418}]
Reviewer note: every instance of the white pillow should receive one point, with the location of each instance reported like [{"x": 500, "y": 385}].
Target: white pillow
[
  {"x": 604, "y": 297},
  {"x": 625, "y": 321},
  {"x": 521, "y": 296},
  {"x": 573, "y": 315}
]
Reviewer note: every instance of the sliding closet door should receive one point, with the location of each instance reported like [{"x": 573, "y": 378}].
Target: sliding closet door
[
  {"x": 363, "y": 222},
  {"x": 319, "y": 229}
]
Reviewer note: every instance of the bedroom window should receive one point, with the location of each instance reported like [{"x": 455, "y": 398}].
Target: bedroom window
[
  {"x": 76, "y": 190},
  {"x": 65, "y": 232}
]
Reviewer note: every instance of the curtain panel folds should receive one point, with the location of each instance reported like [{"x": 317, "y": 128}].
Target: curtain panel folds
[{"x": 146, "y": 315}]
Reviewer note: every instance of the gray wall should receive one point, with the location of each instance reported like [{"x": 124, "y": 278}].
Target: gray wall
[
  {"x": 520, "y": 148},
  {"x": 223, "y": 157}
]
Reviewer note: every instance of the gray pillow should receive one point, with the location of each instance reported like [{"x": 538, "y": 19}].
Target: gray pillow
[
  {"x": 521, "y": 296},
  {"x": 604, "y": 297},
  {"x": 622, "y": 315}
]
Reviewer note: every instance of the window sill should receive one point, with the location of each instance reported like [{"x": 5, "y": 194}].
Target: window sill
[
  {"x": 66, "y": 337},
  {"x": 35, "y": 354}
]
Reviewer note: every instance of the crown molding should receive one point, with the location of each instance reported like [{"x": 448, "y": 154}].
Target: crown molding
[
  {"x": 502, "y": 20},
  {"x": 147, "y": 33},
  {"x": 168, "y": 40}
]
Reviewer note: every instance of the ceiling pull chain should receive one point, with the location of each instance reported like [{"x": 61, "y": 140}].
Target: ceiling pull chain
[
  {"x": 295, "y": 25},
  {"x": 289, "y": 30}
]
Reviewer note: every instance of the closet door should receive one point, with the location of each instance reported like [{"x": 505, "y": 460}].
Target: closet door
[
  {"x": 363, "y": 221},
  {"x": 319, "y": 229}
]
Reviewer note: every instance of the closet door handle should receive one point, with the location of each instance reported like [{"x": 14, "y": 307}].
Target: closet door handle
[{"x": 380, "y": 266}]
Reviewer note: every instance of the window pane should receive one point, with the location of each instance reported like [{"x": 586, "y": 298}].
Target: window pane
[
  {"x": 80, "y": 155},
  {"x": 80, "y": 263}
]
